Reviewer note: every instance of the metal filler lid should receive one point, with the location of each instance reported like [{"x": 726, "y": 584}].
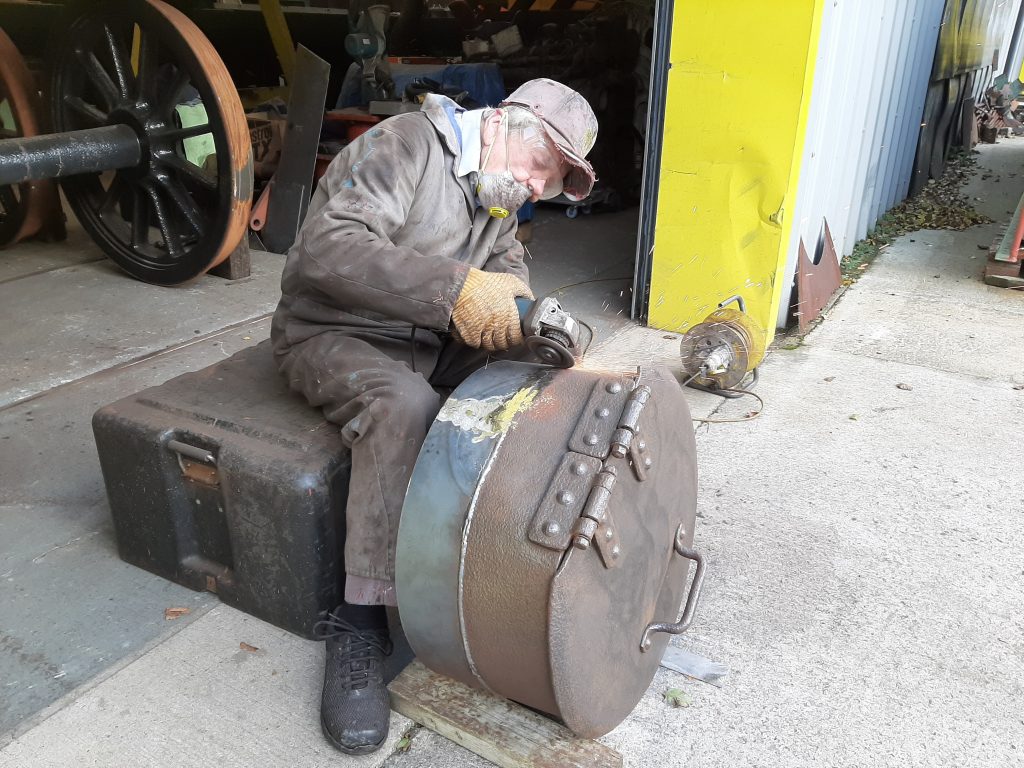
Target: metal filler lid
[{"x": 545, "y": 540}]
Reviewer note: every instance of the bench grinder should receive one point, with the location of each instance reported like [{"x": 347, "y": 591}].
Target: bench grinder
[{"x": 546, "y": 537}]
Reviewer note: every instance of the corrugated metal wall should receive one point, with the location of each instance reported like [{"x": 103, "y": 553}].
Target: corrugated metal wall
[
  {"x": 876, "y": 59},
  {"x": 871, "y": 75}
]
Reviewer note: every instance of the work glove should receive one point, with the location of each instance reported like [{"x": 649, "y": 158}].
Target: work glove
[{"x": 485, "y": 315}]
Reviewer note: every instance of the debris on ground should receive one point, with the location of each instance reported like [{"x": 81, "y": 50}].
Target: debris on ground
[
  {"x": 940, "y": 205},
  {"x": 405, "y": 743},
  {"x": 677, "y": 697},
  {"x": 247, "y": 647},
  {"x": 905, "y": 387},
  {"x": 175, "y": 613}
]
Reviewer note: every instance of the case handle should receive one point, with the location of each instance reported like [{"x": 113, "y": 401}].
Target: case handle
[{"x": 691, "y": 599}]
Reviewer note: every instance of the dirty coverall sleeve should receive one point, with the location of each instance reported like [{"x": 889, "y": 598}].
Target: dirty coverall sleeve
[
  {"x": 507, "y": 254},
  {"x": 346, "y": 247}
]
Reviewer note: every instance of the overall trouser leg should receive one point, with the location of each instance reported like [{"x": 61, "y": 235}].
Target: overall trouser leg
[
  {"x": 384, "y": 409},
  {"x": 366, "y": 385}
]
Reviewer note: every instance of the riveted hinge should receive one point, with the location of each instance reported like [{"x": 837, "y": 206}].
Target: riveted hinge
[
  {"x": 599, "y": 420},
  {"x": 553, "y": 522}
]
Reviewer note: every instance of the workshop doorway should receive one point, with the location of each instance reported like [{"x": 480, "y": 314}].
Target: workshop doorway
[
  {"x": 615, "y": 52},
  {"x": 596, "y": 255}
]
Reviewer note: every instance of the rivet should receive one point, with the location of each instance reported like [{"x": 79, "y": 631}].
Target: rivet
[
  {"x": 579, "y": 468},
  {"x": 603, "y": 413},
  {"x": 641, "y": 445},
  {"x": 564, "y": 497},
  {"x": 590, "y": 440},
  {"x": 609, "y": 534},
  {"x": 648, "y": 462},
  {"x": 615, "y": 552},
  {"x": 551, "y": 528},
  {"x": 614, "y": 388}
]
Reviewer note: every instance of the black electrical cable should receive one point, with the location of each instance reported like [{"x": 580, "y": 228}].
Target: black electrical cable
[
  {"x": 731, "y": 394},
  {"x": 590, "y": 340},
  {"x": 748, "y": 417}
]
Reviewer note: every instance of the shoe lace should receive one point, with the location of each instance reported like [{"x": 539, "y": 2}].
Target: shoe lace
[{"x": 360, "y": 650}]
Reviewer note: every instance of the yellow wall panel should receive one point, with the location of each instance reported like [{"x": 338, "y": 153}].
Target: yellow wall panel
[{"x": 738, "y": 96}]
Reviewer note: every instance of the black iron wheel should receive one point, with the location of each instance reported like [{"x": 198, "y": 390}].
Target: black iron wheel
[{"x": 183, "y": 209}]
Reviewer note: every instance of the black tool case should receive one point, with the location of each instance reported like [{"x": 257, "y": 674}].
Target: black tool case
[{"x": 223, "y": 480}]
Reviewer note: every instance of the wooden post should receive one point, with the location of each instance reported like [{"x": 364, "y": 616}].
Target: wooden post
[{"x": 237, "y": 265}]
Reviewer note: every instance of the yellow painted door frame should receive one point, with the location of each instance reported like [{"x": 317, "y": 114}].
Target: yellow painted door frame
[{"x": 736, "y": 111}]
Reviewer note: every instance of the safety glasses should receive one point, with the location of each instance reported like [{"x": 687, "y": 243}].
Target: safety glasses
[{"x": 530, "y": 148}]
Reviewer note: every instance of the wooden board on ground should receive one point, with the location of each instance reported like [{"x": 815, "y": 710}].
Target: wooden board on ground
[{"x": 498, "y": 730}]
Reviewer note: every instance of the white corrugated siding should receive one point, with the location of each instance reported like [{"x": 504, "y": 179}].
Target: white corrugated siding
[{"x": 870, "y": 79}]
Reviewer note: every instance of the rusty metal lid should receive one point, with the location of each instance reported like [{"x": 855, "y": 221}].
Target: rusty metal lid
[{"x": 524, "y": 465}]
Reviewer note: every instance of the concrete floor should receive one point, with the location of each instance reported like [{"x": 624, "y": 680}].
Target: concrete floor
[{"x": 864, "y": 540}]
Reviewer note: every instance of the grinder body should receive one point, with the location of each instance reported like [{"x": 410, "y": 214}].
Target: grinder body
[{"x": 550, "y": 332}]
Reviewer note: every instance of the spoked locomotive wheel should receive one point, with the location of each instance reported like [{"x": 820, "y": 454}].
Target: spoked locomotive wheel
[
  {"x": 23, "y": 207},
  {"x": 183, "y": 207}
]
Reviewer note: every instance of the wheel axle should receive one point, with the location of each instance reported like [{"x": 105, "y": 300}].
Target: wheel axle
[{"x": 57, "y": 155}]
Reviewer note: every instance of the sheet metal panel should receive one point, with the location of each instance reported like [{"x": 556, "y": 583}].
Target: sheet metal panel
[
  {"x": 873, "y": 65},
  {"x": 735, "y": 121}
]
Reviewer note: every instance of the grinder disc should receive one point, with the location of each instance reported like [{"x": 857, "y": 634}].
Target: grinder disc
[
  {"x": 491, "y": 590},
  {"x": 551, "y": 350}
]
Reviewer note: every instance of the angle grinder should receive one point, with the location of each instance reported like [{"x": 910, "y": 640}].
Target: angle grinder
[{"x": 550, "y": 332}]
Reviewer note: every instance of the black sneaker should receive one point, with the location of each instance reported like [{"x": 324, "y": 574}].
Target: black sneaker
[{"x": 354, "y": 708}]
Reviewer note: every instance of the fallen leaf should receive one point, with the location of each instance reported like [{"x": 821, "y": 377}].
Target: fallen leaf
[
  {"x": 403, "y": 744},
  {"x": 854, "y": 417},
  {"x": 247, "y": 647},
  {"x": 830, "y": 378},
  {"x": 1018, "y": 386},
  {"x": 903, "y": 386},
  {"x": 677, "y": 697},
  {"x": 247, "y": 338},
  {"x": 174, "y": 613}
]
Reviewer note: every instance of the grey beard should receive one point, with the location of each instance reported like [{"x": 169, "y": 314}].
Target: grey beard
[{"x": 501, "y": 190}]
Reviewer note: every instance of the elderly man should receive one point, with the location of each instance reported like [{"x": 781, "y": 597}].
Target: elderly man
[{"x": 404, "y": 278}]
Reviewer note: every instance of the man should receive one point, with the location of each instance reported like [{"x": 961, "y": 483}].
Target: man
[{"x": 404, "y": 278}]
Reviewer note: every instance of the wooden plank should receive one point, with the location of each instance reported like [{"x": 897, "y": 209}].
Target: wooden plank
[{"x": 498, "y": 730}]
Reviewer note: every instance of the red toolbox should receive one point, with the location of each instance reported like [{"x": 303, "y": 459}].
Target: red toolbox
[{"x": 223, "y": 480}]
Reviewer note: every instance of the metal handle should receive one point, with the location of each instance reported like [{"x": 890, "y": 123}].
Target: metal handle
[
  {"x": 192, "y": 452},
  {"x": 739, "y": 302},
  {"x": 691, "y": 599}
]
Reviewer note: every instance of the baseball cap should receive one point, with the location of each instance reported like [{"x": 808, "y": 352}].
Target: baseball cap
[{"x": 569, "y": 122}]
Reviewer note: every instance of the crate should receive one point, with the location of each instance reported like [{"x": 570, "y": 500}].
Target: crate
[{"x": 223, "y": 480}]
